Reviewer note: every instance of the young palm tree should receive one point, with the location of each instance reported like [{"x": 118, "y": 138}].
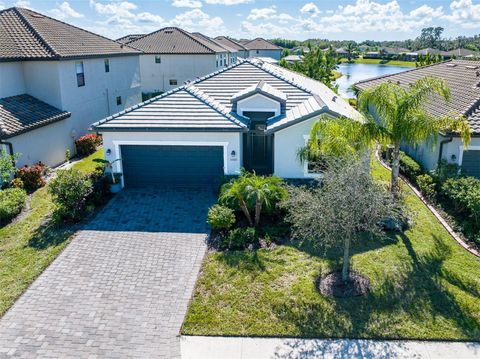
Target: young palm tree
[{"x": 401, "y": 118}]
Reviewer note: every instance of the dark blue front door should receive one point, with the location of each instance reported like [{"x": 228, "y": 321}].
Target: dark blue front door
[{"x": 257, "y": 146}]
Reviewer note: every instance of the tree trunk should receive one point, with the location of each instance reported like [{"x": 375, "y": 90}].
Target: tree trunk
[
  {"x": 346, "y": 258},
  {"x": 245, "y": 211},
  {"x": 258, "y": 210},
  {"x": 395, "y": 170}
]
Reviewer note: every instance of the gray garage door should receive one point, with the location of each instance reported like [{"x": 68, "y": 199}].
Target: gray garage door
[
  {"x": 172, "y": 166},
  {"x": 471, "y": 163}
]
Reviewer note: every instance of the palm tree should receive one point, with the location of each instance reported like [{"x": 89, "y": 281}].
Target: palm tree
[
  {"x": 235, "y": 192},
  {"x": 401, "y": 118},
  {"x": 264, "y": 191}
]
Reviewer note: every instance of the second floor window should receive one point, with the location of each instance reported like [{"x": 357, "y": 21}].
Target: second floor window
[
  {"x": 158, "y": 59},
  {"x": 80, "y": 73},
  {"x": 173, "y": 82},
  {"x": 107, "y": 65},
  {"x": 119, "y": 100}
]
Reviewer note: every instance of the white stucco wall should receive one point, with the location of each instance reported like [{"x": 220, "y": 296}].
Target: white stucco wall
[
  {"x": 156, "y": 77},
  {"x": 274, "y": 54},
  {"x": 12, "y": 81},
  {"x": 258, "y": 103},
  {"x": 46, "y": 144},
  {"x": 427, "y": 155},
  {"x": 97, "y": 99},
  {"x": 42, "y": 81},
  {"x": 231, "y": 140},
  {"x": 286, "y": 144}
]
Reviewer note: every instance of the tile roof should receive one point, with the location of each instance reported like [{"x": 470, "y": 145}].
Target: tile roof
[
  {"x": 22, "y": 113},
  {"x": 26, "y": 35},
  {"x": 172, "y": 40},
  {"x": 461, "y": 76},
  {"x": 260, "y": 44},
  {"x": 214, "y": 43},
  {"x": 231, "y": 43},
  {"x": 128, "y": 38},
  {"x": 207, "y": 102}
]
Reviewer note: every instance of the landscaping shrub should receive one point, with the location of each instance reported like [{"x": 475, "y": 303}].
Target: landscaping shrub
[
  {"x": 445, "y": 171},
  {"x": 220, "y": 217},
  {"x": 238, "y": 239},
  {"x": 100, "y": 186},
  {"x": 70, "y": 190},
  {"x": 7, "y": 166},
  {"x": 409, "y": 167},
  {"x": 32, "y": 176},
  {"x": 251, "y": 193},
  {"x": 17, "y": 183},
  {"x": 426, "y": 185},
  {"x": 12, "y": 201},
  {"x": 463, "y": 195},
  {"x": 87, "y": 144}
]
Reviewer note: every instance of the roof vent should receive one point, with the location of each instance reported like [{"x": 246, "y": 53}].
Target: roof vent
[
  {"x": 334, "y": 99},
  {"x": 398, "y": 82},
  {"x": 168, "y": 31},
  {"x": 452, "y": 65},
  {"x": 471, "y": 67}
]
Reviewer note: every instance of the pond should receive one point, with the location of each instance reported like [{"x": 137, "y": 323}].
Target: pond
[{"x": 353, "y": 73}]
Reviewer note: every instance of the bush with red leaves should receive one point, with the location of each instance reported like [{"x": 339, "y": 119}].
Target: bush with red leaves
[
  {"x": 32, "y": 176},
  {"x": 87, "y": 144}
]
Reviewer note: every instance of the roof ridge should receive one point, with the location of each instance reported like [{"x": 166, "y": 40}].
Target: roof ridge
[
  {"x": 34, "y": 31},
  {"x": 184, "y": 32},
  {"x": 235, "y": 42},
  {"x": 403, "y": 72},
  {"x": 214, "y": 104},
  {"x": 261, "y": 38},
  {"x": 67, "y": 24}
]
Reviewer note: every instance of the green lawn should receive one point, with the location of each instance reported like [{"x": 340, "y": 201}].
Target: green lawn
[
  {"x": 380, "y": 61},
  {"x": 423, "y": 286},
  {"x": 89, "y": 163},
  {"x": 28, "y": 246}
]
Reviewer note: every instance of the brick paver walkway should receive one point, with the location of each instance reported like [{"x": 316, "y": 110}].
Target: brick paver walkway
[{"x": 121, "y": 287}]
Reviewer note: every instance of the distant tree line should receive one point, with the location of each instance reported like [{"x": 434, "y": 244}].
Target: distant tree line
[{"x": 430, "y": 37}]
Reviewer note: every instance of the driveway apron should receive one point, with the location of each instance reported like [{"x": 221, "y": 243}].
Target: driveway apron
[{"x": 121, "y": 287}]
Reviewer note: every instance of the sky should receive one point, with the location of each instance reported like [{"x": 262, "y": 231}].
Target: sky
[{"x": 292, "y": 19}]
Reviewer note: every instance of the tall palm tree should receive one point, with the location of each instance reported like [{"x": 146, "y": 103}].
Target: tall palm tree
[{"x": 400, "y": 118}]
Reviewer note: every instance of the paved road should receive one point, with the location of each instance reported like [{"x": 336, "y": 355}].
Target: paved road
[{"x": 121, "y": 287}]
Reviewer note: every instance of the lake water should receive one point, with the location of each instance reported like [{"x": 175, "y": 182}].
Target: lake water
[{"x": 353, "y": 73}]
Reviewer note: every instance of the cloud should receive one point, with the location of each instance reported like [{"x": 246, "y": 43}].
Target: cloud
[
  {"x": 187, "y": 3},
  {"x": 2, "y": 5},
  {"x": 227, "y": 2},
  {"x": 120, "y": 9},
  {"x": 197, "y": 20},
  {"x": 464, "y": 13},
  {"x": 23, "y": 3},
  {"x": 262, "y": 29},
  {"x": 310, "y": 9},
  {"x": 265, "y": 13},
  {"x": 64, "y": 10}
]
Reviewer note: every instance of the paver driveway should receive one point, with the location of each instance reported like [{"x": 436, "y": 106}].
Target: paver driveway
[{"x": 121, "y": 287}]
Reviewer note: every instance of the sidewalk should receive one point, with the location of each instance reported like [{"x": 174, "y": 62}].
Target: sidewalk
[{"x": 196, "y": 347}]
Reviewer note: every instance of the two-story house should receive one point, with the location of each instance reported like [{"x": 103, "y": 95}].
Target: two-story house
[
  {"x": 55, "y": 80},
  {"x": 260, "y": 47},
  {"x": 172, "y": 56},
  {"x": 242, "y": 51}
]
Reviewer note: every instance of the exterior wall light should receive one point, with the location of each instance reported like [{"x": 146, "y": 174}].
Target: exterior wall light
[
  {"x": 233, "y": 154},
  {"x": 454, "y": 158},
  {"x": 109, "y": 152}
]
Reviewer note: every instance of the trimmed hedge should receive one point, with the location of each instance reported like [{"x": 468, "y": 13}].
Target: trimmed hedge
[
  {"x": 31, "y": 176},
  {"x": 409, "y": 167},
  {"x": 12, "y": 201},
  {"x": 220, "y": 217}
]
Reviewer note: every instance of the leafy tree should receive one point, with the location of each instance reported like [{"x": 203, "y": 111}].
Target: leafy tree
[
  {"x": 285, "y": 52},
  {"x": 253, "y": 193},
  {"x": 401, "y": 118},
  {"x": 7, "y": 166},
  {"x": 348, "y": 206},
  {"x": 431, "y": 37}
]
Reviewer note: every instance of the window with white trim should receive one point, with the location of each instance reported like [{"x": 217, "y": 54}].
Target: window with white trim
[
  {"x": 173, "y": 82},
  {"x": 158, "y": 59},
  {"x": 107, "y": 65},
  {"x": 80, "y": 73}
]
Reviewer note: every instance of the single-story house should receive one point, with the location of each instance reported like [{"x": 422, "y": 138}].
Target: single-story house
[
  {"x": 463, "y": 79},
  {"x": 461, "y": 53},
  {"x": 251, "y": 115},
  {"x": 291, "y": 59},
  {"x": 260, "y": 47}
]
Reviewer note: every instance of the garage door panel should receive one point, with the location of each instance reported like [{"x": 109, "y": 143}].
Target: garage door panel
[{"x": 173, "y": 166}]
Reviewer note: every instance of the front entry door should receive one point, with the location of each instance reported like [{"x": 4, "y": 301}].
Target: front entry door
[{"x": 257, "y": 146}]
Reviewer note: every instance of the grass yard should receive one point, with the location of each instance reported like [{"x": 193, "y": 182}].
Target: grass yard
[
  {"x": 29, "y": 245},
  {"x": 423, "y": 286},
  {"x": 382, "y": 62},
  {"x": 88, "y": 164}
]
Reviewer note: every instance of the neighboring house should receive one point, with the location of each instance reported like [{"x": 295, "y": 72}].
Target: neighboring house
[
  {"x": 291, "y": 59},
  {"x": 342, "y": 53},
  {"x": 55, "y": 80},
  {"x": 429, "y": 51},
  {"x": 460, "y": 54},
  {"x": 300, "y": 50},
  {"x": 242, "y": 51},
  {"x": 172, "y": 56},
  {"x": 463, "y": 79},
  {"x": 252, "y": 115},
  {"x": 387, "y": 53},
  {"x": 262, "y": 48},
  {"x": 232, "y": 52},
  {"x": 128, "y": 38}
]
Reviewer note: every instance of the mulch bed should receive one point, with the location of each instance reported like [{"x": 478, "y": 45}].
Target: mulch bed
[{"x": 332, "y": 285}]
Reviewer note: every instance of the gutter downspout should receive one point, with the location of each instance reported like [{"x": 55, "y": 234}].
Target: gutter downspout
[{"x": 440, "y": 152}]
